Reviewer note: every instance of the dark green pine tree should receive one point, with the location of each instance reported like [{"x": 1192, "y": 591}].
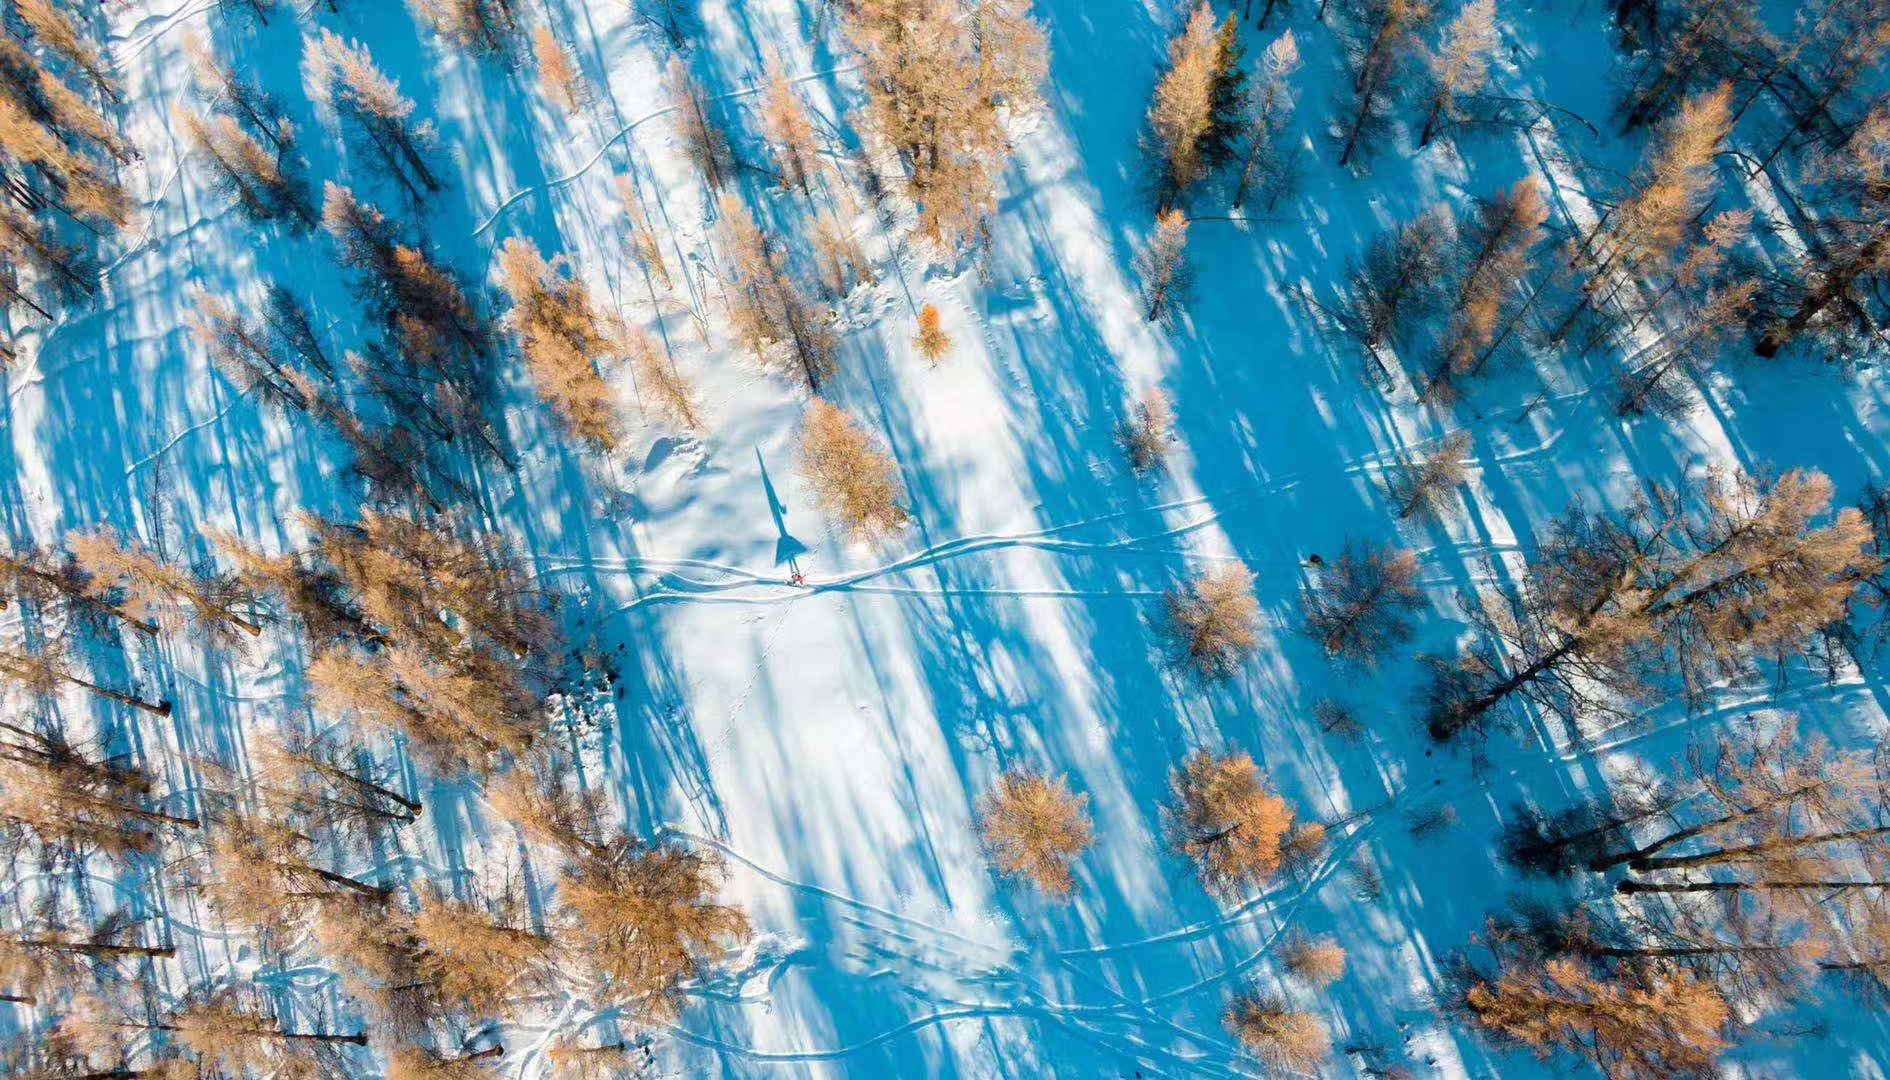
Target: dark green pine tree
[{"x": 1231, "y": 98}]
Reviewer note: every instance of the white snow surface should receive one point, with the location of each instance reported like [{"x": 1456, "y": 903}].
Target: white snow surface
[{"x": 832, "y": 740}]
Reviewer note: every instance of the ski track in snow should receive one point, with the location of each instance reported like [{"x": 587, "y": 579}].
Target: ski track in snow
[{"x": 684, "y": 588}]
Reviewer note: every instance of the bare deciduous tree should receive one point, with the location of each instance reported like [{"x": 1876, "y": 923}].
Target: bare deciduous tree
[
  {"x": 1828, "y": 289},
  {"x": 1426, "y": 484},
  {"x": 1148, "y": 430},
  {"x": 1379, "y": 36},
  {"x": 1363, "y": 604},
  {"x": 676, "y": 20},
  {"x": 1401, "y": 281},
  {"x": 1271, "y": 166}
]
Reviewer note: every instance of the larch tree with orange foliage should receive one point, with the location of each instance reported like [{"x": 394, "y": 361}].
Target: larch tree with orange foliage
[
  {"x": 1642, "y": 234},
  {"x": 792, "y": 139},
  {"x": 1630, "y": 1019},
  {"x": 1167, "y": 275},
  {"x": 1493, "y": 252},
  {"x": 1425, "y": 485},
  {"x": 767, "y": 306},
  {"x": 852, "y": 479},
  {"x": 1214, "y": 620},
  {"x": 943, "y": 77},
  {"x": 479, "y": 25},
  {"x": 71, "y": 801},
  {"x": 1181, "y": 117},
  {"x": 704, "y": 140},
  {"x": 1222, "y": 816},
  {"x": 1035, "y": 827},
  {"x": 246, "y": 170},
  {"x": 1278, "y": 1034},
  {"x": 558, "y": 73},
  {"x": 150, "y": 588},
  {"x": 1149, "y": 429},
  {"x": 1315, "y": 961},
  {"x": 382, "y": 117},
  {"x": 640, "y": 917},
  {"x": 1460, "y": 65},
  {"x": 563, "y": 337},
  {"x": 1697, "y": 582}
]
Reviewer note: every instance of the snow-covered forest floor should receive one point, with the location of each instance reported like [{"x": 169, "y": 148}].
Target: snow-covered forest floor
[{"x": 826, "y": 713}]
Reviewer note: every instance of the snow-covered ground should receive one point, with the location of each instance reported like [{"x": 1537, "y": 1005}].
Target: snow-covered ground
[{"x": 832, "y": 740}]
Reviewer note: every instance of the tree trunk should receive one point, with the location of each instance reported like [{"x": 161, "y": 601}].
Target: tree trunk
[
  {"x": 1632, "y": 887},
  {"x": 352, "y": 1040},
  {"x": 1430, "y": 120},
  {"x": 1835, "y": 281},
  {"x": 158, "y": 708},
  {"x": 1741, "y": 854},
  {"x": 97, "y": 949},
  {"x": 1608, "y": 862}
]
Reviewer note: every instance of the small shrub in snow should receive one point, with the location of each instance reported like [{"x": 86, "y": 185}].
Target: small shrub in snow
[
  {"x": 931, "y": 340},
  {"x": 1336, "y": 717}
]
